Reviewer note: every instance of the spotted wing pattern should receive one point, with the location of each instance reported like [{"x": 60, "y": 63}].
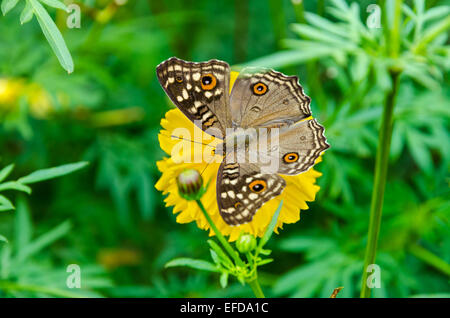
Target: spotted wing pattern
[
  {"x": 242, "y": 189},
  {"x": 299, "y": 146},
  {"x": 260, "y": 98},
  {"x": 266, "y": 98},
  {"x": 199, "y": 90}
]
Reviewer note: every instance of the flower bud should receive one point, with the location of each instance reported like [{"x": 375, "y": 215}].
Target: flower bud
[
  {"x": 190, "y": 184},
  {"x": 246, "y": 243}
]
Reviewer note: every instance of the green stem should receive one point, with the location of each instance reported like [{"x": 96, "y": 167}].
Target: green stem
[
  {"x": 299, "y": 11},
  {"x": 395, "y": 29},
  {"x": 254, "y": 284},
  {"x": 219, "y": 235},
  {"x": 381, "y": 166}
]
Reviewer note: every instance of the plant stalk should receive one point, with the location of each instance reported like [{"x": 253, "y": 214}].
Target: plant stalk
[
  {"x": 219, "y": 235},
  {"x": 254, "y": 284},
  {"x": 381, "y": 167}
]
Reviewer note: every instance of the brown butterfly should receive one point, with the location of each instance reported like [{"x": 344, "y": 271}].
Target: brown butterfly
[{"x": 261, "y": 99}]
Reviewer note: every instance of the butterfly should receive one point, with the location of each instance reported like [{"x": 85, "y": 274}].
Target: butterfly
[{"x": 260, "y": 99}]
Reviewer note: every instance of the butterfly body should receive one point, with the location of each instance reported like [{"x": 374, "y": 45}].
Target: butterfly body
[{"x": 265, "y": 124}]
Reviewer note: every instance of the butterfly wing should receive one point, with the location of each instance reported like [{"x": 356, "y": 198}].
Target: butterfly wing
[
  {"x": 296, "y": 149},
  {"x": 266, "y": 98},
  {"x": 242, "y": 189},
  {"x": 199, "y": 90}
]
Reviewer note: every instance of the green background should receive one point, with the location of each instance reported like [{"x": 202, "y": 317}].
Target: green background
[{"x": 110, "y": 220}]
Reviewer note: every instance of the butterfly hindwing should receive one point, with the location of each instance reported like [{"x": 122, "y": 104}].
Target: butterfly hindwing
[
  {"x": 266, "y": 98},
  {"x": 199, "y": 90},
  {"x": 299, "y": 146},
  {"x": 242, "y": 189}
]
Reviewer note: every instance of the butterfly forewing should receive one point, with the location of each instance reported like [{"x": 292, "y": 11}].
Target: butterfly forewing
[
  {"x": 199, "y": 90},
  {"x": 266, "y": 98}
]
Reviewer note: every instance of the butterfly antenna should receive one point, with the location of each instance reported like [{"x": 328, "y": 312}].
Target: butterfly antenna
[
  {"x": 223, "y": 160},
  {"x": 197, "y": 142},
  {"x": 181, "y": 138},
  {"x": 207, "y": 165}
]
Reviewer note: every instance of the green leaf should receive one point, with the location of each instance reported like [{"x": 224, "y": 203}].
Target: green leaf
[
  {"x": 341, "y": 4},
  {"x": 271, "y": 227},
  {"x": 291, "y": 57},
  {"x": 419, "y": 150},
  {"x": 265, "y": 261},
  {"x": 55, "y": 4},
  {"x": 224, "y": 279},
  {"x": 45, "y": 174},
  {"x": 45, "y": 240},
  {"x": 53, "y": 36},
  {"x": 220, "y": 253},
  {"x": 27, "y": 13},
  {"x": 326, "y": 25},
  {"x": 360, "y": 67},
  {"x": 8, "y": 5},
  {"x": 408, "y": 11},
  {"x": 15, "y": 185},
  {"x": 309, "y": 32},
  {"x": 265, "y": 252},
  {"x": 436, "y": 12},
  {"x": 193, "y": 263},
  {"x": 6, "y": 171},
  {"x": 301, "y": 275},
  {"x": 3, "y": 239},
  {"x": 214, "y": 256},
  {"x": 23, "y": 227},
  {"x": 5, "y": 204}
]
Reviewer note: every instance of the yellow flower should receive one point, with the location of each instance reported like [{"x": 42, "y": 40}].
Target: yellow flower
[
  {"x": 298, "y": 190},
  {"x": 10, "y": 90},
  {"x": 41, "y": 105}
]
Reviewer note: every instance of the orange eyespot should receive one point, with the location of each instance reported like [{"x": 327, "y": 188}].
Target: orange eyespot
[
  {"x": 258, "y": 186},
  {"x": 208, "y": 81},
  {"x": 237, "y": 204},
  {"x": 290, "y": 157},
  {"x": 260, "y": 88},
  {"x": 179, "y": 79}
]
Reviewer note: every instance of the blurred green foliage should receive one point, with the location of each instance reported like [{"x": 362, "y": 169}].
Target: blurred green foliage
[{"x": 109, "y": 219}]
